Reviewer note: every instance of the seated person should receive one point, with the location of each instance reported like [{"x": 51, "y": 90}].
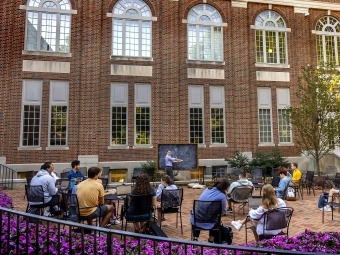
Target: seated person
[
  {"x": 166, "y": 183},
  {"x": 75, "y": 173},
  {"x": 215, "y": 193},
  {"x": 243, "y": 181},
  {"x": 90, "y": 195},
  {"x": 142, "y": 187},
  {"x": 269, "y": 201},
  {"x": 285, "y": 178},
  {"x": 297, "y": 175},
  {"x": 51, "y": 196}
]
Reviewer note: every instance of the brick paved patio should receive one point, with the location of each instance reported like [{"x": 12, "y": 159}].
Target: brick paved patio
[{"x": 306, "y": 216}]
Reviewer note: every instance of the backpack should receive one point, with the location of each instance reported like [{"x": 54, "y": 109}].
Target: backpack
[
  {"x": 323, "y": 199},
  {"x": 226, "y": 235}
]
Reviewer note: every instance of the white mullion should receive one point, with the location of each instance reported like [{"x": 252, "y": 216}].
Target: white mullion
[
  {"x": 286, "y": 49},
  {"x": 123, "y": 36},
  {"x": 324, "y": 48},
  {"x": 212, "y": 40},
  {"x": 39, "y": 30},
  {"x": 57, "y": 38},
  {"x": 277, "y": 47},
  {"x": 335, "y": 47},
  {"x": 264, "y": 47},
  {"x": 197, "y": 42}
]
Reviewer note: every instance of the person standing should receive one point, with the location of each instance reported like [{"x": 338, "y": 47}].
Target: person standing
[{"x": 169, "y": 160}]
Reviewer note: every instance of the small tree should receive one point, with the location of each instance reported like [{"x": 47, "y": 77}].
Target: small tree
[
  {"x": 315, "y": 118},
  {"x": 239, "y": 160}
]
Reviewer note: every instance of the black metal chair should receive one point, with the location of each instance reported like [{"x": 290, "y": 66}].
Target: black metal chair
[
  {"x": 64, "y": 175},
  {"x": 29, "y": 175},
  {"x": 334, "y": 203},
  {"x": 105, "y": 181},
  {"x": 257, "y": 175},
  {"x": 136, "y": 209},
  {"x": 35, "y": 199},
  {"x": 308, "y": 182},
  {"x": 136, "y": 172},
  {"x": 83, "y": 170},
  {"x": 171, "y": 202},
  {"x": 275, "y": 219},
  {"x": 106, "y": 172},
  {"x": 235, "y": 172},
  {"x": 240, "y": 196},
  {"x": 206, "y": 212}
]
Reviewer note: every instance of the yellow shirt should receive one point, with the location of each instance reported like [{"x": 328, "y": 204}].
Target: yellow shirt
[
  {"x": 88, "y": 193},
  {"x": 297, "y": 175}
]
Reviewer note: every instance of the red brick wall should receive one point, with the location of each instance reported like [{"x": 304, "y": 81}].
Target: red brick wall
[{"x": 89, "y": 105}]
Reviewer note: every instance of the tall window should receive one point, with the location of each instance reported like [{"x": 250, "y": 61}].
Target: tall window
[
  {"x": 142, "y": 114},
  {"x": 48, "y": 26},
  {"x": 271, "y": 38},
  {"x": 196, "y": 117},
  {"x": 132, "y": 33},
  {"x": 283, "y": 101},
  {"x": 217, "y": 115},
  {"x": 119, "y": 104},
  {"x": 328, "y": 40},
  {"x": 59, "y": 96},
  {"x": 205, "y": 38},
  {"x": 31, "y": 113},
  {"x": 265, "y": 115}
]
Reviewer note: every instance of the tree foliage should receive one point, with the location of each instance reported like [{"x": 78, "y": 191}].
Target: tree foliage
[{"x": 315, "y": 116}]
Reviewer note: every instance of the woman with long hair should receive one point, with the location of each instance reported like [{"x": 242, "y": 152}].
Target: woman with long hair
[
  {"x": 215, "y": 193},
  {"x": 142, "y": 187},
  {"x": 269, "y": 201}
]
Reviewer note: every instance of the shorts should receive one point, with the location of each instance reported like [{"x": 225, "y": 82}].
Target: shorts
[{"x": 100, "y": 211}]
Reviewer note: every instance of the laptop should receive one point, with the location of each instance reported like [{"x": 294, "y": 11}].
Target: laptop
[{"x": 123, "y": 190}]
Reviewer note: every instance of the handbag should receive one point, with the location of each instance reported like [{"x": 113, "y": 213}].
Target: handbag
[{"x": 291, "y": 194}]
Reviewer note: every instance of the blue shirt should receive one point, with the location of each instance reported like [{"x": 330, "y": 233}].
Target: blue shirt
[
  {"x": 75, "y": 175},
  {"x": 283, "y": 184},
  {"x": 212, "y": 194},
  {"x": 169, "y": 160}
]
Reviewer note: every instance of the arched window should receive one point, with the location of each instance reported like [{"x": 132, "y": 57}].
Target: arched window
[
  {"x": 328, "y": 40},
  {"x": 132, "y": 30},
  {"x": 48, "y": 26},
  {"x": 271, "y": 38},
  {"x": 205, "y": 40}
]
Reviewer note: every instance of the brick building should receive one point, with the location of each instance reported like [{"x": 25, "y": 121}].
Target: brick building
[{"x": 106, "y": 81}]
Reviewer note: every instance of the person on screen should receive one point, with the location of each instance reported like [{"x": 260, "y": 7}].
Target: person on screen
[{"x": 169, "y": 160}]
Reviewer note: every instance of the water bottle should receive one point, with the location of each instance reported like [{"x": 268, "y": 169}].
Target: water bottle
[{"x": 72, "y": 183}]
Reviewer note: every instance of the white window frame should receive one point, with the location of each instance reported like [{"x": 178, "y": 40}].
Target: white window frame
[
  {"x": 142, "y": 99},
  {"x": 324, "y": 33},
  {"x": 196, "y": 100},
  {"x": 59, "y": 96},
  {"x": 119, "y": 98},
  {"x": 63, "y": 8},
  {"x": 212, "y": 24},
  {"x": 277, "y": 29},
  {"x": 264, "y": 101},
  {"x": 217, "y": 101},
  {"x": 283, "y": 101},
  {"x": 31, "y": 95},
  {"x": 124, "y": 17}
]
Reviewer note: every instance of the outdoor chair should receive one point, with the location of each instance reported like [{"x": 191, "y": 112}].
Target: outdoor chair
[
  {"x": 308, "y": 182},
  {"x": 256, "y": 175},
  {"x": 136, "y": 172},
  {"x": 35, "y": 199},
  {"x": 297, "y": 186},
  {"x": 235, "y": 172},
  {"x": 106, "y": 172},
  {"x": 206, "y": 212},
  {"x": 105, "y": 181},
  {"x": 29, "y": 175},
  {"x": 64, "y": 175},
  {"x": 240, "y": 196},
  {"x": 275, "y": 219},
  {"x": 171, "y": 202},
  {"x": 220, "y": 172},
  {"x": 334, "y": 203},
  {"x": 83, "y": 170},
  {"x": 136, "y": 209},
  {"x": 64, "y": 184}
]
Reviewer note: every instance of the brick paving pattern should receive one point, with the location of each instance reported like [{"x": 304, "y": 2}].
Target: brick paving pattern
[{"x": 306, "y": 216}]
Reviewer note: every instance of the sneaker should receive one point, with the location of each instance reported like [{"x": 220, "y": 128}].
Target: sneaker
[
  {"x": 237, "y": 225},
  {"x": 115, "y": 221},
  {"x": 229, "y": 210},
  {"x": 326, "y": 208},
  {"x": 47, "y": 213}
]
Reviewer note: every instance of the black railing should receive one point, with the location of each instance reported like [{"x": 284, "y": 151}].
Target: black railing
[
  {"x": 6, "y": 177},
  {"x": 46, "y": 235}
]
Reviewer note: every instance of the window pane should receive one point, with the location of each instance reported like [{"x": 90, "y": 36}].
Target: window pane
[
  {"x": 48, "y": 32},
  {"x": 32, "y": 31},
  {"x": 143, "y": 127},
  {"x": 196, "y": 125},
  {"x": 284, "y": 127},
  {"x": 217, "y": 125},
  {"x": 192, "y": 43},
  {"x": 65, "y": 26},
  {"x": 205, "y": 43},
  {"x": 282, "y": 47},
  {"x": 265, "y": 126},
  {"x": 31, "y": 125},
  {"x": 330, "y": 49},
  {"x": 119, "y": 125},
  {"x": 218, "y": 44},
  {"x": 58, "y": 132},
  {"x": 271, "y": 47},
  {"x": 259, "y": 47}
]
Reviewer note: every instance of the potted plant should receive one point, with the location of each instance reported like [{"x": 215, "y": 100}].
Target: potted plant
[{"x": 149, "y": 168}]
